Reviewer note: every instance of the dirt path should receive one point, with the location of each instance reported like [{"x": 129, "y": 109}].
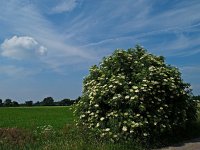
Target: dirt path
[{"x": 187, "y": 145}]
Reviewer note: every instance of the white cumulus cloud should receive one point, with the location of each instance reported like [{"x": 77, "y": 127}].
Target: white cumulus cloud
[
  {"x": 22, "y": 47},
  {"x": 65, "y": 6}
]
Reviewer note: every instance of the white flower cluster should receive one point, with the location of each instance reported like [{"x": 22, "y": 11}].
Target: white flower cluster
[{"x": 131, "y": 91}]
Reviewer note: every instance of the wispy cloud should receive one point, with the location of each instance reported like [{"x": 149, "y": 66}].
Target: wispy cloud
[
  {"x": 17, "y": 72},
  {"x": 138, "y": 22},
  {"x": 119, "y": 24},
  {"x": 32, "y": 23},
  {"x": 195, "y": 70},
  {"x": 64, "y": 6},
  {"x": 78, "y": 33}
]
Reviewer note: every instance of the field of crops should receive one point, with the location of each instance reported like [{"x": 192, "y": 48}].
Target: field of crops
[{"x": 32, "y": 117}]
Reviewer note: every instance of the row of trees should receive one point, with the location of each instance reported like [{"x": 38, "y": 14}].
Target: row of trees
[
  {"x": 48, "y": 101},
  {"x": 8, "y": 103}
]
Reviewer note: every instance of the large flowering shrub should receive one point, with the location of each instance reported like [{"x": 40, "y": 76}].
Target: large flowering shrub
[{"x": 134, "y": 93}]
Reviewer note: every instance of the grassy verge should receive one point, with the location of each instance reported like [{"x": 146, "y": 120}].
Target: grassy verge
[{"x": 68, "y": 138}]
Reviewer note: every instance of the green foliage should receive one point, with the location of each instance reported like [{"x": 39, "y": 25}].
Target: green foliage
[
  {"x": 15, "y": 104},
  {"x": 29, "y": 103},
  {"x": 66, "y": 102},
  {"x": 8, "y": 103},
  {"x": 196, "y": 97},
  {"x": 1, "y": 103},
  {"x": 134, "y": 94},
  {"x": 48, "y": 101}
]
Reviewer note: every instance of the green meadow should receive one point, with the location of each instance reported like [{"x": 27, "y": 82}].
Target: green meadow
[
  {"x": 49, "y": 128},
  {"x": 33, "y": 117}
]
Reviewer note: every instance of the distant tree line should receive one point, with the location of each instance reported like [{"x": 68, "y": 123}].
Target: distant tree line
[
  {"x": 48, "y": 101},
  {"x": 8, "y": 103}
]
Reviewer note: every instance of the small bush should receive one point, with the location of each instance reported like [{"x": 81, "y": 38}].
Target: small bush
[{"x": 134, "y": 94}]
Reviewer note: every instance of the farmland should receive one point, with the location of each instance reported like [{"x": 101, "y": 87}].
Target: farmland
[
  {"x": 50, "y": 127},
  {"x": 32, "y": 117},
  {"x": 46, "y": 127}
]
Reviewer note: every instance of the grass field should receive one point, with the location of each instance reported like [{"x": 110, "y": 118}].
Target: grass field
[
  {"x": 27, "y": 128},
  {"x": 32, "y": 117}
]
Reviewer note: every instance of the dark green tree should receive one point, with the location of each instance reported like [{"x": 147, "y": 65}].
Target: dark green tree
[
  {"x": 48, "y": 101},
  {"x": 15, "y": 104},
  {"x": 29, "y": 103},
  {"x": 1, "y": 102},
  {"x": 37, "y": 103},
  {"x": 77, "y": 99},
  {"x": 7, "y": 103},
  {"x": 66, "y": 102},
  {"x": 196, "y": 97}
]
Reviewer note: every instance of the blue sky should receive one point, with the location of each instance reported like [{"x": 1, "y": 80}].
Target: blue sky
[{"x": 47, "y": 46}]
